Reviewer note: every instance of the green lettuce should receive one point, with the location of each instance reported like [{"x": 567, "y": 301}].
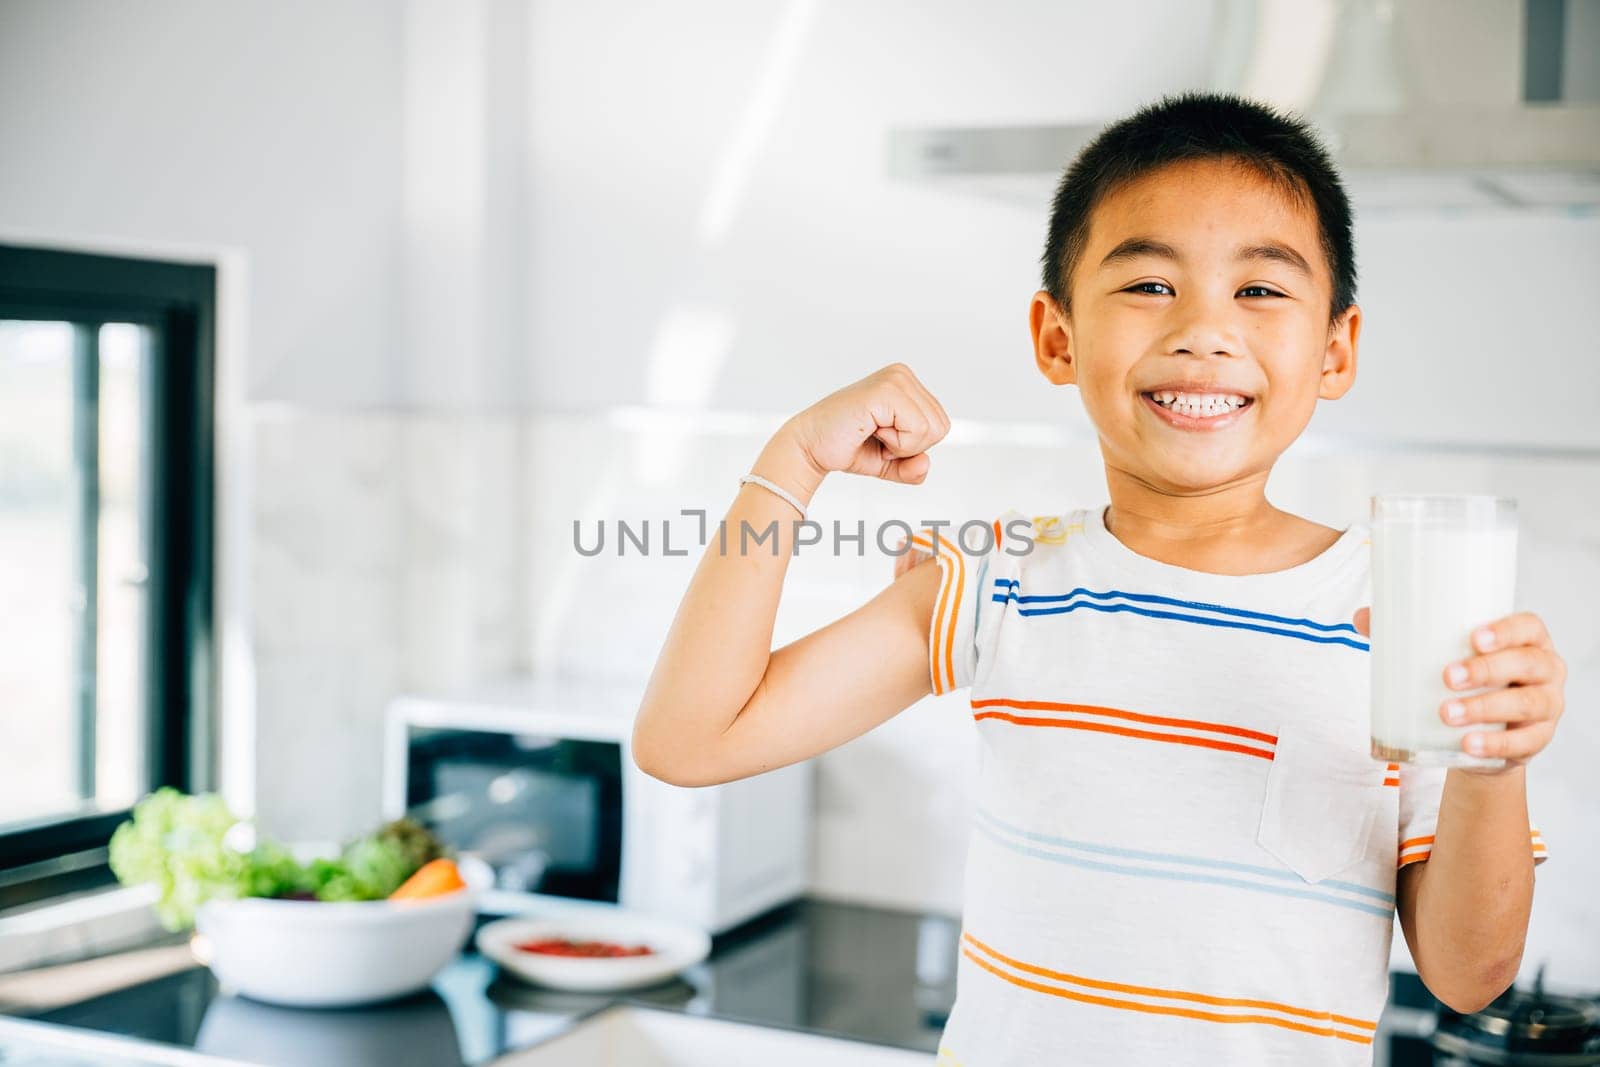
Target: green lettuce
[
  {"x": 182, "y": 844},
  {"x": 372, "y": 867},
  {"x": 176, "y": 842}
]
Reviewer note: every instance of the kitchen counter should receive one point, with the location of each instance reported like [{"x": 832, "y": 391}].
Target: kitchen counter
[{"x": 871, "y": 974}]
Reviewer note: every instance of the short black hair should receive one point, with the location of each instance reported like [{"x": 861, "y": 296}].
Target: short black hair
[{"x": 1189, "y": 126}]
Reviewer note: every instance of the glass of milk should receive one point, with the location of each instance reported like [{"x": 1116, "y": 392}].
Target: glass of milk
[{"x": 1442, "y": 566}]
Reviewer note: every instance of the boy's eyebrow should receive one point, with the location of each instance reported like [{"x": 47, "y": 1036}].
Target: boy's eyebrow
[{"x": 1137, "y": 247}]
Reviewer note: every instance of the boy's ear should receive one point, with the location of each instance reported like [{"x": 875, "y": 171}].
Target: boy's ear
[
  {"x": 1052, "y": 339},
  {"x": 1339, "y": 360}
]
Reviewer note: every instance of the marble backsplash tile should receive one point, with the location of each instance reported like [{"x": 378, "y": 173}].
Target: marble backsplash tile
[
  {"x": 461, "y": 514},
  {"x": 385, "y": 557}
]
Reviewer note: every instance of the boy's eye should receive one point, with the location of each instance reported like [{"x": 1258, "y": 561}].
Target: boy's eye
[
  {"x": 1146, "y": 287},
  {"x": 1153, "y": 288}
]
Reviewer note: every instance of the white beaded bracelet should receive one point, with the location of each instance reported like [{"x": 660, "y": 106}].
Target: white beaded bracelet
[{"x": 775, "y": 489}]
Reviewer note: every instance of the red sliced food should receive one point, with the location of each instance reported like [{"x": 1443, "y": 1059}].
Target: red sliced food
[{"x": 563, "y": 946}]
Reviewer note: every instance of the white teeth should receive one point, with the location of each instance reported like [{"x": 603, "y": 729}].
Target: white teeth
[{"x": 1199, "y": 404}]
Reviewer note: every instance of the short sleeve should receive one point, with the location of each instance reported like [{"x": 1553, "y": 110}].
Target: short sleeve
[
  {"x": 979, "y": 567},
  {"x": 1421, "y": 789}
]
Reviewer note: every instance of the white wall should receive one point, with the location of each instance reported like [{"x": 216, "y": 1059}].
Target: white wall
[
  {"x": 273, "y": 128},
  {"x": 724, "y": 177}
]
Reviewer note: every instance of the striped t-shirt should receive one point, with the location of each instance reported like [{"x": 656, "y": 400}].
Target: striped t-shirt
[{"x": 1183, "y": 851}]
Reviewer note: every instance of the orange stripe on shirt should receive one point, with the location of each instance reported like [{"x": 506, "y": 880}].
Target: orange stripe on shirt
[
  {"x": 1162, "y": 1009},
  {"x": 955, "y": 614},
  {"x": 950, "y": 561},
  {"x": 1409, "y": 842},
  {"x": 1132, "y": 716},
  {"x": 955, "y": 576},
  {"x": 1415, "y": 846},
  {"x": 945, "y": 574},
  {"x": 1107, "y": 728}
]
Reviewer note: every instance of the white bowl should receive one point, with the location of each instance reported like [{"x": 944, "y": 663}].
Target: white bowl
[
  {"x": 310, "y": 953},
  {"x": 677, "y": 946}
]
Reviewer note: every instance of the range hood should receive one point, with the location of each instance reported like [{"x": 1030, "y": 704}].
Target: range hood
[{"x": 1428, "y": 105}]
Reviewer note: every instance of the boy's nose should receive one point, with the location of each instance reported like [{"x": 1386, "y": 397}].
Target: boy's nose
[
  {"x": 1203, "y": 321},
  {"x": 1203, "y": 337}
]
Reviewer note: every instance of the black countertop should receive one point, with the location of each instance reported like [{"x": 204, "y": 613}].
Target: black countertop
[{"x": 847, "y": 970}]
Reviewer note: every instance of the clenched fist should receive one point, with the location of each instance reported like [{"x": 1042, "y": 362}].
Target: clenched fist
[{"x": 882, "y": 426}]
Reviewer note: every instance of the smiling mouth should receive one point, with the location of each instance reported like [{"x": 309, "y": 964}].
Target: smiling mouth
[{"x": 1188, "y": 412}]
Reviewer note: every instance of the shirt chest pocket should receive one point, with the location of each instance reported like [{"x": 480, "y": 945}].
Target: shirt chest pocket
[{"x": 1320, "y": 805}]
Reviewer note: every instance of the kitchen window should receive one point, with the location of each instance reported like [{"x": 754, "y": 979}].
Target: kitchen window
[{"x": 107, "y": 682}]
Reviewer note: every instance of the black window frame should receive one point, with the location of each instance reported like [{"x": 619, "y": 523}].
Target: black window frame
[{"x": 177, "y": 301}]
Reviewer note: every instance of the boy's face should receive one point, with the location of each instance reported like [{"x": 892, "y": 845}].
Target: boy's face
[{"x": 1201, "y": 277}]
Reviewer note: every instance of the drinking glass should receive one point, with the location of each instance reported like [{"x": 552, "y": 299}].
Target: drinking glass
[{"x": 1442, "y": 566}]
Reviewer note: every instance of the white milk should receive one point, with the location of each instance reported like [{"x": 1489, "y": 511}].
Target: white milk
[{"x": 1436, "y": 577}]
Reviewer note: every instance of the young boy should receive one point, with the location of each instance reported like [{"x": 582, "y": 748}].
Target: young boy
[{"x": 1183, "y": 850}]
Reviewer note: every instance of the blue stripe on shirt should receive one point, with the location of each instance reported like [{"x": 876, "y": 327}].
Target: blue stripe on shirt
[
  {"x": 1180, "y": 876},
  {"x": 1173, "y": 857},
  {"x": 1011, "y": 587},
  {"x": 1015, "y": 584}
]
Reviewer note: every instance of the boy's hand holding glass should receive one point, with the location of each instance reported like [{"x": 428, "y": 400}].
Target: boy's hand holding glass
[{"x": 1525, "y": 677}]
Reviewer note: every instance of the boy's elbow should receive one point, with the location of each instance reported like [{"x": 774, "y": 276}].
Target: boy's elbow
[
  {"x": 674, "y": 774},
  {"x": 664, "y": 766},
  {"x": 1483, "y": 989},
  {"x": 648, "y": 762},
  {"x": 648, "y": 758},
  {"x": 1470, "y": 1001}
]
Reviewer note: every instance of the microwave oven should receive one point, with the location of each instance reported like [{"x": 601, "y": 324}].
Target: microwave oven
[{"x": 536, "y": 781}]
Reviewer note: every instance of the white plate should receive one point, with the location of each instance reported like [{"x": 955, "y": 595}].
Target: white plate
[{"x": 677, "y": 946}]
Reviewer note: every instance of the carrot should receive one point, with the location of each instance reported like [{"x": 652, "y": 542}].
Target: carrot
[{"x": 432, "y": 879}]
